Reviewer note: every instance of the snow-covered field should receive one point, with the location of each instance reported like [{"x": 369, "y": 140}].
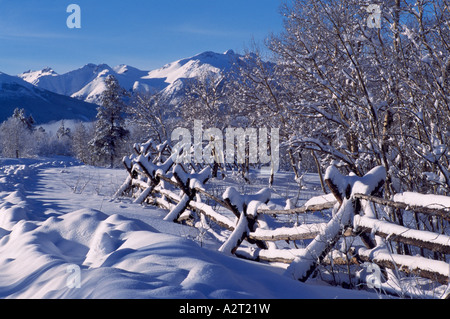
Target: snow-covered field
[{"x": 62, "y": 236}]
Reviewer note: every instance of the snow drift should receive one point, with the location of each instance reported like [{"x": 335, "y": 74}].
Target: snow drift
[{"x": 43, "y": 238}]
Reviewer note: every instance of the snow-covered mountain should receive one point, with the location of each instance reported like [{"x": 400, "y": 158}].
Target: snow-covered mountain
[
  {"x": 49, "y": 96},
  {"x": 87, "y": 83},
  {"x": 45, "y": 106},
  {"x": 198, "y": 65}
]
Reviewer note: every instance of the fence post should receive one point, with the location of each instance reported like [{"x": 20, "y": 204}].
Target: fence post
[
  {"x": 188, "y": 184},
  {"x": 143, "y": 159},
  {"x": 246, "y": 207},
  {"x": 343, "y": 187}
]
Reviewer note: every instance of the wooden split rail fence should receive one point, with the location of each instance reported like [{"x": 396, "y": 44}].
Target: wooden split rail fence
[{"x": 154, "y": 178}]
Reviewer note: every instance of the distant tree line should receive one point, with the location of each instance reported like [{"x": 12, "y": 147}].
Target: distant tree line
[
  {"x": 21, "y": 138},
  {"x": 102, "y": 143}
]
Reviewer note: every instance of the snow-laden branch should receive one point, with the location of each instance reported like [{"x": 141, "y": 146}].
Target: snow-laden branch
[
  {"x": 316, "y": 145},
  {"x": 420, "y": 238},
  {"x": 427, "y": 268}
]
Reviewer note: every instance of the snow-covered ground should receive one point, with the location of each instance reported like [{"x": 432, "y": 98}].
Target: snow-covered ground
[{"x": 62, "y": 236}]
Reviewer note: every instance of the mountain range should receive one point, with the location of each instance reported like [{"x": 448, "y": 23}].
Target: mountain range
[
  {"x": 45, "y": 106},
  {"x": 49, "y": 96}
]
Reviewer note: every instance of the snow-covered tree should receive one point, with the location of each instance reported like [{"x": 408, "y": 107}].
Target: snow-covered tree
[
  {"x": 110, "y": 130},
  {"x": 82, "y": 134},
  {"x": 258, "y": 99},
  {"x": 63, "y": 131},
  {"x": 28, "y": 121},
  {"x": 205, "y": 99},
  {"x": 15, "y": 135},
  {"x": 153, "y": 116},
  {"x": 14, "y": 138},
  {"x": 369, "y": 96}
]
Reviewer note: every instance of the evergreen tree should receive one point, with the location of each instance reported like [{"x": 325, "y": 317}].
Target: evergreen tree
[
  {"x": 110, "y": 129},
  {"x": 63, "y": 131}
]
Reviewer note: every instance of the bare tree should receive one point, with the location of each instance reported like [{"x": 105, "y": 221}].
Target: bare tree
[
  {"x": 206, "y": 99},
  {"x": 82, "y": 134},
  {"x": 369, "y": 96},
  {"x": 152, "y": 113}
]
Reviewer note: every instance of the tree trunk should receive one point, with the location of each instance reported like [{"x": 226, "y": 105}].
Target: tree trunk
[
  {"x": 293, "y": 163},
  {"x": 319, "y": 171}
]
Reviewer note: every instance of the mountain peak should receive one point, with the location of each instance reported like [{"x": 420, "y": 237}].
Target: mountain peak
[
  {"x": 195, "y": 66},
  {"x": 229, "y": 52},
  {"x": 127, "y": 69},
  {"x": 45, "y": 71},
  {"x": 121, "y": 68},
  {"x": 95, "y": 67},
  {"x": 33, "y": 77},
  {"x": 48, "y": 70}
]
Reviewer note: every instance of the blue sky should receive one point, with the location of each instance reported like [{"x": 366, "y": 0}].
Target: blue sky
[{"x": 143, "y": 33}]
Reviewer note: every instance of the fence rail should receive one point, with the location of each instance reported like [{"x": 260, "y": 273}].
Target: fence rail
[{"x": 155, "y": 179}]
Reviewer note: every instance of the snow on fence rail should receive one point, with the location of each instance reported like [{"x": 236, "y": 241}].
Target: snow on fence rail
[{"x": 154, "y": 178}]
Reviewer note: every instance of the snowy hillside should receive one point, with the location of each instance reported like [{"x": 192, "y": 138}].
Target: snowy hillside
[
  {"x": 61, "y": 236},
  {"x": 87, "y": 83},
  {"x": 45, "y": 106}
]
